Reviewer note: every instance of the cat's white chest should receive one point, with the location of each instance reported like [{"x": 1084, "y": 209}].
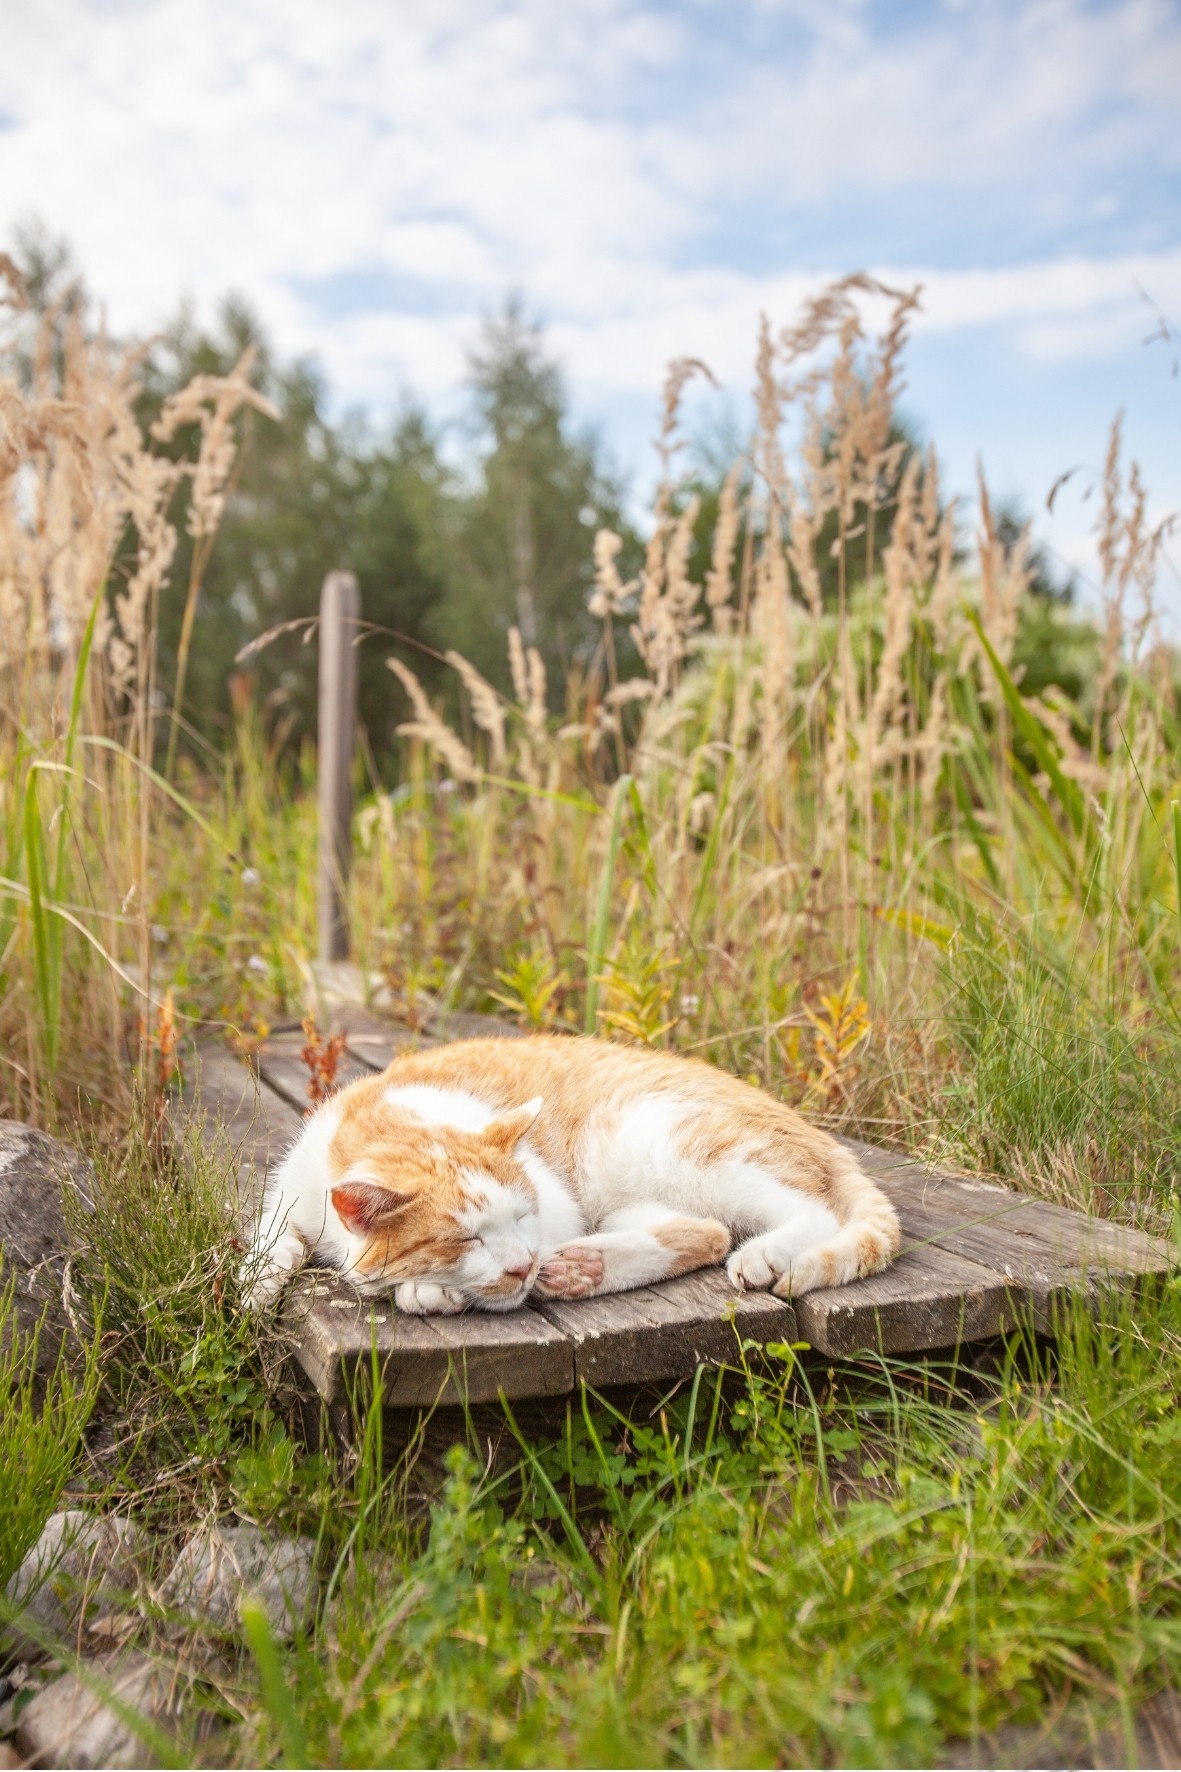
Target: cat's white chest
[{"x": 635, "y": 1155}]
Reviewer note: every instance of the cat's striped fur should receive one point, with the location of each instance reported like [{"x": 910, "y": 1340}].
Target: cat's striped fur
[{"x": 474, "y": 1173}]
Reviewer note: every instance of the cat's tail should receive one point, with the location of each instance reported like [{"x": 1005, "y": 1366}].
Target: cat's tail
[{"x": 867, "y": 1241}]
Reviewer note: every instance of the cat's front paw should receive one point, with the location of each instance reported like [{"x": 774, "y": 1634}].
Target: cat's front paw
[
  {"x": 267, "y": 1270},
  {"x": 574, "y": 1271},
  {"x": 422, "y": 1298},
  {"x": 263, "y": 1287}
]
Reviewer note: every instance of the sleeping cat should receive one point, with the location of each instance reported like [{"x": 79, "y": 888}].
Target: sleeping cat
[{"x": 476, "y": 1173}]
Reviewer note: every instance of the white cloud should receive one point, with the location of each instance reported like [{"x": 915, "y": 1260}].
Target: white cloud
[
  {"x": 474, "y": 144},
  {"x": 623, "y": 162}
]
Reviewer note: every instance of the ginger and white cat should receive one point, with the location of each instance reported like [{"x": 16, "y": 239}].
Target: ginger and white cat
[{"x": 474, "y": 1174}]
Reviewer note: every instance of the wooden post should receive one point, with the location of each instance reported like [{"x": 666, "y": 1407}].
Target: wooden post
[{"x": 340, "y": 609}]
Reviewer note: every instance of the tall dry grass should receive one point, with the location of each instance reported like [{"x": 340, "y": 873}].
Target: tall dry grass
[
  {"x": 788, "y": 838},
  {"x": 89, "y": 502},
  {"x": 815, "y": 829}
]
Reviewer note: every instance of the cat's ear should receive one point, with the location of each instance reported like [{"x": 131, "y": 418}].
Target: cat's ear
[
  {"x": 363, "y": 1207},
  {"x": 507, "y": 1130}
]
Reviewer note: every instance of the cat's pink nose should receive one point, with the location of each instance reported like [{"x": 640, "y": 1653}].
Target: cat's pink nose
[{"x": 519, "y": 1270}]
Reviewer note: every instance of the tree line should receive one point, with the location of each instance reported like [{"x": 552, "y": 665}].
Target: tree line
[{"x": 447, "y": 556}]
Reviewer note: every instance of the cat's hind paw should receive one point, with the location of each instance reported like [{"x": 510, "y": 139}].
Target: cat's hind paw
[
  {"x": 422, "y": 1298},
  {"x": 574, "y": 1271},
  {"x": 775, "y": 1263}
]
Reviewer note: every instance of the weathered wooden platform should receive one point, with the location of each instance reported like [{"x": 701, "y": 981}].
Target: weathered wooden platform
[{"x": 978, "y": 1261}]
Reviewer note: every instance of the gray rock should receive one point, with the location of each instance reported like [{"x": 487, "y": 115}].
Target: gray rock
[
  {"x": 219, "y": 1568},
  {"x": 34, "y": 1236},
  {"x": 79, "y": 1557},
  {"x": 71, "y": 1723}
]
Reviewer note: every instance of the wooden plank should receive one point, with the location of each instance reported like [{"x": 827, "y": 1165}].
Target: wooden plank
[
  {"x": 662, "y": 1332},
  {"x": 422, "y": 1360},
  {"x": 516, "y": 1352},
  {"x": 928, "y": 1298},
  {"x": 376, "y": 1047},
  {"x": 281, "y": 1067},
  {"x": 1037, "y": 1263},
  {"x": 1072, "y": 1239},
  {"x": 365, "y": 1054},
  {"x": 258, "y": 1125}
]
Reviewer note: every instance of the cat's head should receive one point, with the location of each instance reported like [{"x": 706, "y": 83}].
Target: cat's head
[{"x": 432, "y": 1202}]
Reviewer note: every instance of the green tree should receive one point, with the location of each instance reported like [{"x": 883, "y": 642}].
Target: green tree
[
  {"x": 521, "y": 545},
  {"x": 308, "y": 495}
]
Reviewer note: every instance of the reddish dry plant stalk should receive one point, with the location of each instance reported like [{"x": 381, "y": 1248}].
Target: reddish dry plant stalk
[
  {"x": 163, "y": 1043},
  {"x": 321, "y": 1057},
  {"x": 161, "y": 1046},
  {"x": 167, "y": 1040}
]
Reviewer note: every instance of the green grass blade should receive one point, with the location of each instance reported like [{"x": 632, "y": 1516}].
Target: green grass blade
[
  {"x": 35, "y": 868},
  {"x": 597, "y": 946},
  {"x": 166, "y": 787},
  {"x": 275, "y": 1694},
  {"x": 1068, "y": 793},
  {"x": 1177, "y": 858},
  {"x": 709, "y": 860},
  {"x": 56, "y": 930}
]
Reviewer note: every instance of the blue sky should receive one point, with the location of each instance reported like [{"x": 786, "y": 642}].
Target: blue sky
[{"x": 375, "y": 175}]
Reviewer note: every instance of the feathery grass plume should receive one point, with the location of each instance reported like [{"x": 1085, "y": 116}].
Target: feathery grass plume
[
  {"x": 769, "y": 403},
  {"x": 531, "y": 690},
  {"x": 682, "y": 594},
  {"x": 1057, "y": 714},
  {"x": 517, "y": 666},
  {"x": 536, "y": 705},
  {"x": 85, "y": 501},
  {"x": 771, "y": 626},
  {"x": 946, "y": 592},
  {"x": 719, "y": 579},
  {"x": 770, "y": 611},
  {"x": 666, "y": 613},
  {"x": 607, "y": 714},
  {"x": 838, "y": 754},
  {"x": 212, "y": 403},
  {"x": 13, "y": 292},
  {"x": 430, "y": 727},
  {"x": 1004, "y": 579},
  {"x": 933, "y": 743},
  {"x": 611, "y": 594},
  {"x": 1110, "y": 532},
  {"x": 805, "y": 522},
  {"x": 649, "y": 631},
  {"x": 488, "y": 709},
  {"x": 669, "y": 442},
  {"x": 1128, "y": 554},
  {"x": 906, "y": 563},
  {"x": 882, "y": 459}
]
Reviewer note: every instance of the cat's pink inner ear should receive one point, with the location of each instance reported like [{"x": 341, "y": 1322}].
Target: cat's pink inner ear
[
  {"x": 362, "y": 1206},
  {"x": 507, "y": 1130}
]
